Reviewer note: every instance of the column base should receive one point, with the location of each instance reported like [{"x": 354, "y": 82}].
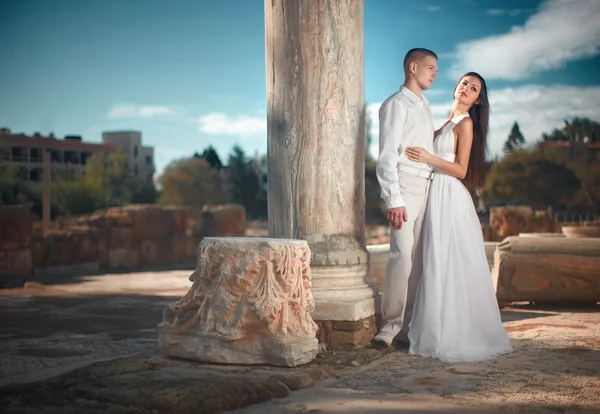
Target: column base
[
  {"x": 346, "y": 324},
  {"x": 346, "y": 334}
]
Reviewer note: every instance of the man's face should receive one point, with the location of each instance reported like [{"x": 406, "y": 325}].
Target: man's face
[{"x": 425, "y": 71}]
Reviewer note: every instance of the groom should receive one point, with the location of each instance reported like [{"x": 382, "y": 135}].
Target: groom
[{"x": 405, "y": 120}]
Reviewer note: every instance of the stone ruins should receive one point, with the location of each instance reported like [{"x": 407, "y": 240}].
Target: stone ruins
[{"x": 250, "y": 303}]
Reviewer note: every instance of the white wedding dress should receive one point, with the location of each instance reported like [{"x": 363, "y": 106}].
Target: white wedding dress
[{"x": 455, "y": 316}]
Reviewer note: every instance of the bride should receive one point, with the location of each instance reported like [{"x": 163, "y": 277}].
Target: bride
[{"x": 456, "y": 316}]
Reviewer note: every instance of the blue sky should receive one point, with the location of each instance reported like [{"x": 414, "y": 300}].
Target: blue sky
[{"x": 191, "y": 73}]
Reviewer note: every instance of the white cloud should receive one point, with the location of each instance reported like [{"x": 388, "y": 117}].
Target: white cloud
[
  {"x": 536, "y": 108},
  {"x": 502, "y": 12},
  {"x": 561, "y": 31},
  {"x": 140, "y": 111},
  {"x": 217, "y": 123},
  {"x": 434, "y": 8}
]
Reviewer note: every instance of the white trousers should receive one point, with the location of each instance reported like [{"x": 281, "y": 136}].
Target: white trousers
[{"x": 405, "y": 264}]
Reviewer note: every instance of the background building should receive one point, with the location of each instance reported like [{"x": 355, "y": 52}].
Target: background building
[
  {"x": 140, "y": 158},
  {"x": 69, "y": 155}
]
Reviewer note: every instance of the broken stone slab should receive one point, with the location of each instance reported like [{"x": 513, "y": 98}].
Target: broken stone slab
[
  {"x": 547, "y": 269},
  {"x": 250, "y": 303}
]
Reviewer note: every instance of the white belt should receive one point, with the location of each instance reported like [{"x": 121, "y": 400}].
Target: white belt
[{"x": 428, "y": 175}]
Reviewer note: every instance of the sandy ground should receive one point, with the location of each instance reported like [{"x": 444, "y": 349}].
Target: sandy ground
[{"x": 67, "y": 329}]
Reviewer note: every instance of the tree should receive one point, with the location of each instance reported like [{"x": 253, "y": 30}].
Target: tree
[
  {"x": 107, "y": 174},
  {"x": 515, "y": 139},
  {"x": 75, "y": 197},
  {"x": 578, "y": 130},
  {"x": 245, "y": 186},
  {"x": 529, "y": 178},
  {"x": 191, "y": 182},
  {"x": 589, "y": 175},
  {"x": 140, "y": 192},
  {"x": 13, "y": 190},
  {"x": 211, "y": 156}
]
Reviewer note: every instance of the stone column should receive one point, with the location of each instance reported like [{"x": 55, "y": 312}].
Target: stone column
[{"x": 316, "y": 152}]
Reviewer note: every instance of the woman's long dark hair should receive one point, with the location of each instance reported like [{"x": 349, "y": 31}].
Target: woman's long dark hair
[{"x": 480, "y": 114}]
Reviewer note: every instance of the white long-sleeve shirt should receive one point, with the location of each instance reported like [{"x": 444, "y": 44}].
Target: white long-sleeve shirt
[{"x": 405, "y": 120}]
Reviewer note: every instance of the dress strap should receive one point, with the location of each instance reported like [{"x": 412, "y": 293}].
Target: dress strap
[{"x": 459, "y": 118}]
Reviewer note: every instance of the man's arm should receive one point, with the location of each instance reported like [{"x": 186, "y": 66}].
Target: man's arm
[
  {"x": 457, "y": 168},
  {"x": 391, "y": 123}
]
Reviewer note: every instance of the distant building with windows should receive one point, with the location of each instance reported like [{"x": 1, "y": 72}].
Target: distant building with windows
[
  {"x": 26, "y": 153},
  {"x": 140, "y": 158},
  {"x": 70, "y": 155},
  {"x": 579, "y": 152}
]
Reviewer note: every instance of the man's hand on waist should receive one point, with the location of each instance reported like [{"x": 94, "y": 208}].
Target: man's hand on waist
[{"x": 397, "y": 216}]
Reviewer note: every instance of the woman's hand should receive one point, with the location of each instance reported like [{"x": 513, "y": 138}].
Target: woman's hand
[{"x": 418, "y": 154}]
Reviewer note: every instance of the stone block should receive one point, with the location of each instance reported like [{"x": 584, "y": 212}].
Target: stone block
[
  {"x": 250, "y": 303},
  {"x": 16, "y": 262},
  {"x": 86, "y": 242},
  {"x": 58, "y": 248},
  {"x": 224, "y": 221},
  {"x": 490, "y": 249},
  {"x": 580, "y": 232},
  {"x": 38, "y": 250},
  {"x": 547, "y": 269},
  {"x": 195, "y": 222},
  {"x": 16, "y": 224},
  {"x": 184, "y": 248},
  {"x": 512, "y": 220},
  {"x": 346, "y": 334},
  {"x": 151, "y": 222}
]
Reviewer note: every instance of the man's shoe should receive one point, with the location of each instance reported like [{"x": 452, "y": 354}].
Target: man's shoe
[
  {"x": 383, "y": 339},
  {"x": 401, "y": 342}
]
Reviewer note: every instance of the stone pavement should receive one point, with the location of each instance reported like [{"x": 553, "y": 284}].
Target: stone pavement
[
  {"x": 88, "y": 345},
  {"x": 48, "y": 329},
  {"x": 555, "y": 368}
]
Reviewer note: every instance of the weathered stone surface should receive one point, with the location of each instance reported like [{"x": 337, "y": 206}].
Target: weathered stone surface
[
  {"x": 581, "y": 231},
  {"x": 224, "y": 221},
  {"x": 547, "y": 269},
  {"x": 16, "y": 262},
  {"x": 16, "y": 258},
  {"x": 250, "y": 304},
  {"x": 65, "y": 247},
  {"x": 512, "y": 220},
  {"x": 15, "y": 227},
  {"x": 490, "y": 250},
  {"x": 346, "y": 334},
  {"x": 541, "y": 235},
  {"x": 316, "y": 139},
  {"x": 135, "y": 236},
  {"x": 153, "y": 384}
]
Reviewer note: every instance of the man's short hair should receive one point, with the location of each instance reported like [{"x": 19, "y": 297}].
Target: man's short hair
[{"x": 417, "y": 53}]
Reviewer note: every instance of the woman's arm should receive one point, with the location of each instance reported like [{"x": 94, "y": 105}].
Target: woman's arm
[{"x": 459, "y": 167}]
